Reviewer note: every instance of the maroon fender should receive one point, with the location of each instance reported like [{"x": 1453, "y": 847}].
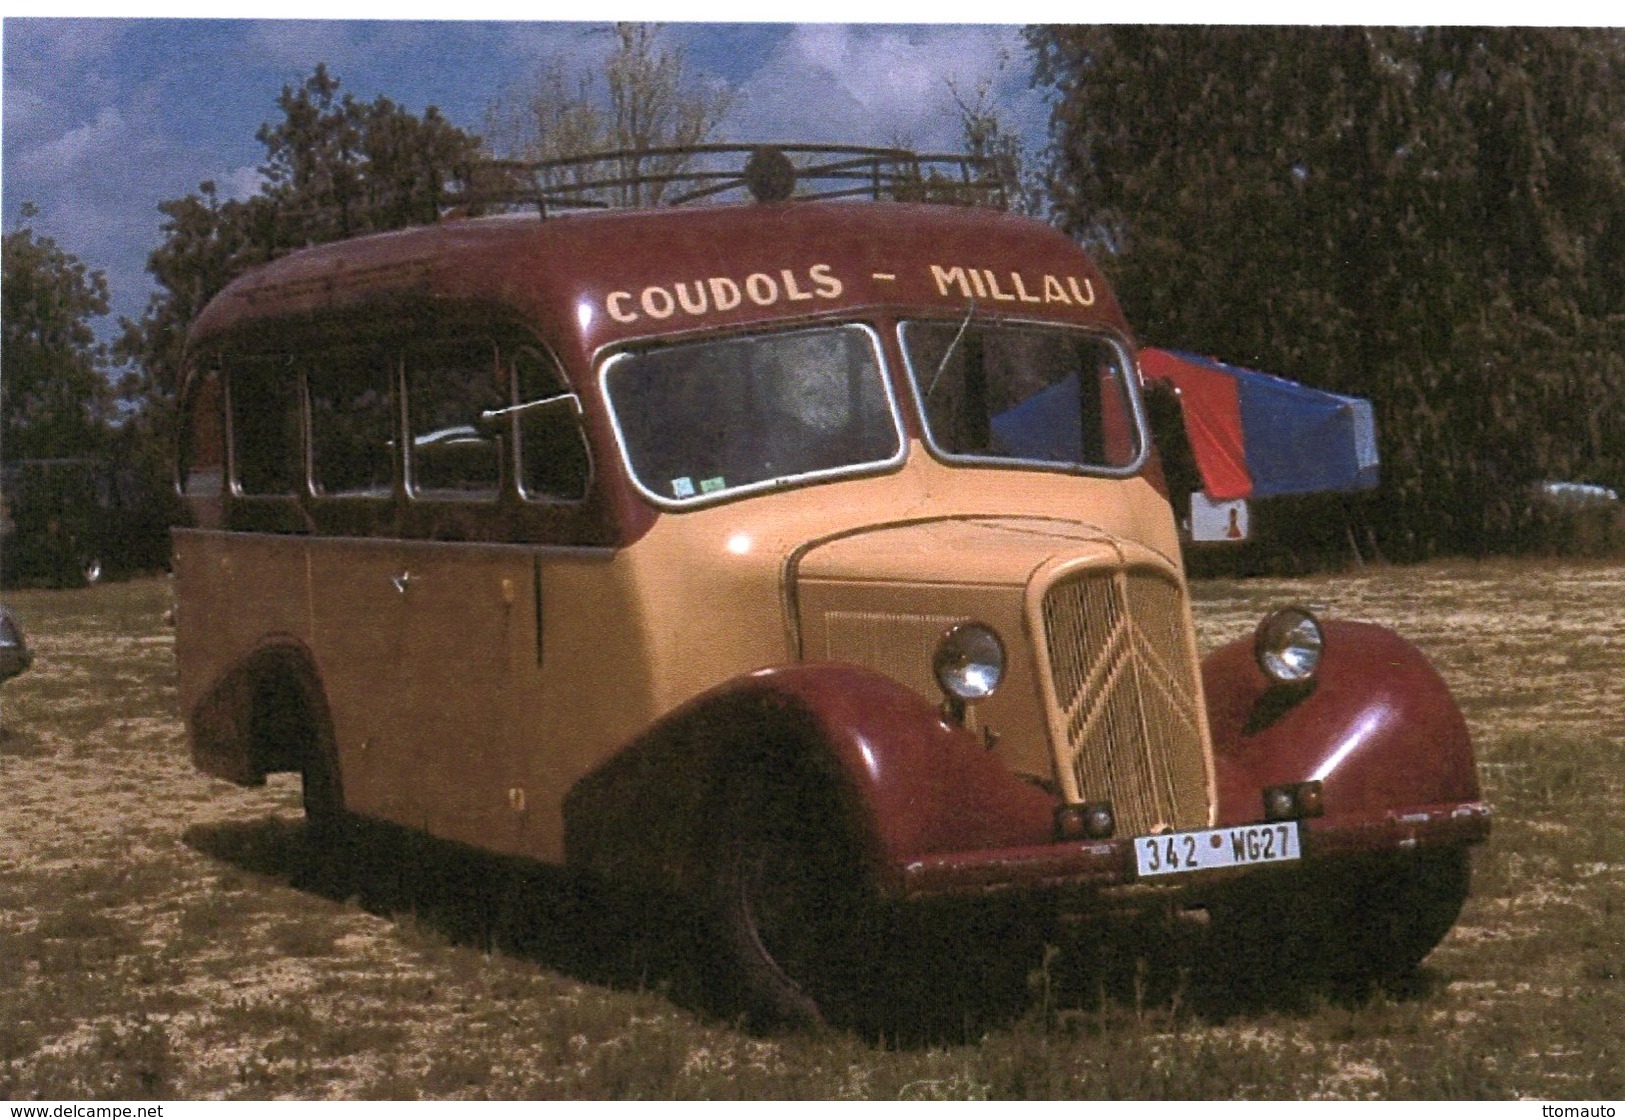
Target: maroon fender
[
  {"x": 913, "y": 783},
  {"x": 278, "y": 686},
  {"x": 1378, "y": 728}
]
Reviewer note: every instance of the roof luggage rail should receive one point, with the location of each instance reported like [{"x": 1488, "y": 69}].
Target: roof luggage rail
[{"x": 707, "y": 173}]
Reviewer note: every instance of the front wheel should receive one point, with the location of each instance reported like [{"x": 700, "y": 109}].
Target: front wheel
[
  {"x": 801, "y": 940},
  {"x": 792, "y": 921},
  {"x": 1369, "y": 923}
]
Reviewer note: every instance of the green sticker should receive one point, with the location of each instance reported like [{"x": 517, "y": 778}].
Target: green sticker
[{"x": 710, "y": 485}]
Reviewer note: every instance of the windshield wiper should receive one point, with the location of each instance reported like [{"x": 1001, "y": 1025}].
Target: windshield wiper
[{"x": 952, "y": 346}]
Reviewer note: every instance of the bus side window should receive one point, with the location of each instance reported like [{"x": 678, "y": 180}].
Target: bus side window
[
  {"x": 553, "y": 461},
  {"x": 267, "y": 451},
  {"x": 352, "y": 422},
  {"x": 447, "y": 386},
  {"x": 203, "y": 451}
]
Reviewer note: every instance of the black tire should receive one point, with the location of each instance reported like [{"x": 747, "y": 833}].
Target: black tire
[
  {"x": 1372, "y": 923},
  {"x": 792, "y": 920},
  {"x": 802, "y": 941},
  {"x": 288, "y": 734}
]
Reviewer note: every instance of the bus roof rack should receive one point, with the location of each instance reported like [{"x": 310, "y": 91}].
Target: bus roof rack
[{"x": 709, "y": 173}]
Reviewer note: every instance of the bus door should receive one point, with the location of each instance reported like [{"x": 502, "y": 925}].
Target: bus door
[
  {"x": 471, "y": 616},
  {"x": 358, "y": 630},
  {"x": 469, "y": 626}
]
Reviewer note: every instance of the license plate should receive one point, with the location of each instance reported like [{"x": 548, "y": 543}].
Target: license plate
[{"x": 1174, "y": 853}]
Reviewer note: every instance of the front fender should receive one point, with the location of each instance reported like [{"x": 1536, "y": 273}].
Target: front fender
[
  {"x": 911, "y": 783},
  {"x": 1379, "y": 728}
]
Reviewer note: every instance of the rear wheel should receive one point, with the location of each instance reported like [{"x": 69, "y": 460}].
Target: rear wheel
[
  {"x": 287, "y": 736},
  {"x": 1370, "y": 923},
  {"x": 325, "y": 819}
]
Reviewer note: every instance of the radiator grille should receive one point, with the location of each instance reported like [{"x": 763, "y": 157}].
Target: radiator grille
[{"x": 1124, "y": 711}]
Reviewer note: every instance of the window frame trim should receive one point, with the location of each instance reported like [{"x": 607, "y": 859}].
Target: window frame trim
[
  {"x": 1131, "y": 384},
  {"x": 516, "y": 456},
  {"x": 606, "y": 364}
]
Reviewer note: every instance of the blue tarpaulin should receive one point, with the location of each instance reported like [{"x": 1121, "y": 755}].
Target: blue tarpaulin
[{"x": 1255, "y": 435}]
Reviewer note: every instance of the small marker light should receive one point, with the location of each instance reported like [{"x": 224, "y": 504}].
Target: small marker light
[
  {"x": 1093, "y": 820},
  {"x": 1279, "y": 804},
  {"x": 1293, "y": 801},
  {"x": 1309, "y": 802}
]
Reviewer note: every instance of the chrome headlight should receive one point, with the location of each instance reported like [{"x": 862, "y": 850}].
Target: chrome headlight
[
  {"x": 1287, "y": 645},
  {"x": 969, "y": 662}
]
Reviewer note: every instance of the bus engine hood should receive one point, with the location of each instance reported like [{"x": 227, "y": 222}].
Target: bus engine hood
[{"x": 1100, "y": 696}]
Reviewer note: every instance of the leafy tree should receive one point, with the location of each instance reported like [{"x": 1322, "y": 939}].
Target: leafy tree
[
  {"x": 54, "y": 395},
  {"x": 335, "y": 167},
  {"x": 1418, "y": 216},
  {"x": 647, "y": 100}
]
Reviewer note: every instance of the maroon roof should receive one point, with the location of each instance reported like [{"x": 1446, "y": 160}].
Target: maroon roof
[{"x": 592, "y": 278}]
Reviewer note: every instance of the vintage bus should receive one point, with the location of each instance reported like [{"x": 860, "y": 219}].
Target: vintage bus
[{"x": 809, "y": 558}]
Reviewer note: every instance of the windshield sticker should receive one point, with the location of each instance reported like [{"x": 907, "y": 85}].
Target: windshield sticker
[
  {"x": 682, "y": 487},
  {"x": 711, "y": 485}
]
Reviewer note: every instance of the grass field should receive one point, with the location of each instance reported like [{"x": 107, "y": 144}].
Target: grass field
[{"x": 163, "y": 934}]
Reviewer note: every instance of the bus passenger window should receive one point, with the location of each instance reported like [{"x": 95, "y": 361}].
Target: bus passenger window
[
  {"x": 352, "y": 426},
  {"x": 553, "y": 459},
  {"x": 266, "y": 445},
  {"x": 203, "y": 445},
  {"x": 447, "y": 387}
]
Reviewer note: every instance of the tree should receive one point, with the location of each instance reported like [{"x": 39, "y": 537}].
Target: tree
[
  {"x": 1422, "y": 217},
  {"x": 986, "y": 137},
  {"x": 335, "y": 167},
  {"x": 647, "y": 100},
  {"x": 54, "y": 395}
]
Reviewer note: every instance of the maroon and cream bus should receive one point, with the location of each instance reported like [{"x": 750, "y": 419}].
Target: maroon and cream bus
[{"x": 807, "y": 557}]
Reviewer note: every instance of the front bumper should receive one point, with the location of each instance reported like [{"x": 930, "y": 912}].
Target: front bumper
[{"x": 1107, "y": 866}]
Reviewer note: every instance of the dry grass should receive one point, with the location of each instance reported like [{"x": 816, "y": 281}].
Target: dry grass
[{"x": 166, "y": 935}]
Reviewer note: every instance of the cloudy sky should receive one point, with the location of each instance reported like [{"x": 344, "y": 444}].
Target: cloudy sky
[{"x": 104, "y": 118}]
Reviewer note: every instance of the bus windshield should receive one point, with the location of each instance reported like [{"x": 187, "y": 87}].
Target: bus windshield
[
  {"x": 700, "y": 419},
  {"x": 1022, "y": 392}
]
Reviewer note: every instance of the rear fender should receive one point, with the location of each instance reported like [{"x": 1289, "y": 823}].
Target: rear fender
[
  {"x": 262, "y": 716},
  {"x": 1378, "y": 728},
  {"x": 908, "y": 782}
]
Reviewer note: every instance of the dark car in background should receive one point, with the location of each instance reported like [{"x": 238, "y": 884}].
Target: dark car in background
[{"x": 74, "y": 520}]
